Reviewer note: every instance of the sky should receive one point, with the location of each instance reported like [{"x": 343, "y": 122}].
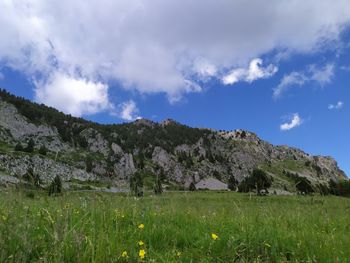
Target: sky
[{"x": 281, "y": 70}]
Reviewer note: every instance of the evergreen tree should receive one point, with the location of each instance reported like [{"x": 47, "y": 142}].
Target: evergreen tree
[
  {"x": 88, "y": 164},
  {"x": 136, "y": 184},
  {"x": 192, "y": 187},
  {"x": 258, "y": 181},
  {"x": 232, "y": 183}
]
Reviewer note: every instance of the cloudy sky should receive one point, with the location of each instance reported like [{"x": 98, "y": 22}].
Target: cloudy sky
[{"x": 280, "y": 69}]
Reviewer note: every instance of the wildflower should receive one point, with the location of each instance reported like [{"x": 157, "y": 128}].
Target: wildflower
[
  {"x": 141, "y": 243},
  {"x": 142, "y": 253},
  {"x": 178, "y": 253},
  {"x": 141, "y": 226},
  {"x": 214, "y": 236},
  {"x": 124, "y": 254}
]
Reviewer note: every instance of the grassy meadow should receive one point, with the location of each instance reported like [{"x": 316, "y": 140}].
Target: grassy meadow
[{"x": 173, "y": 227}]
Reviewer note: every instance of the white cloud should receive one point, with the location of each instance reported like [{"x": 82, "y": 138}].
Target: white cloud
[
  {"x": 129, "y": 111},
  {"x": 204, "y": 69},
  {"x": 320, "y": 75},
  {"x": 75, "y": 96},
  {"x": 345, "y": 68},
  {"x": 339, "y": 105},
  {"x": 323, "y": 75},
  {"x": 255, "y": 71},
  {"x": 294, "y": 121},
  {"x": 155, "y": 46}
]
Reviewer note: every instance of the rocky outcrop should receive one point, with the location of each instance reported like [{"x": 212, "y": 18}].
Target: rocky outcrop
[
  {"x": 19, "y": 165},
  {"x": 15, "y": 127}
]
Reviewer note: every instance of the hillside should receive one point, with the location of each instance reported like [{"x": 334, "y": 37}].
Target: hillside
[{"x": 85, "y": 153}]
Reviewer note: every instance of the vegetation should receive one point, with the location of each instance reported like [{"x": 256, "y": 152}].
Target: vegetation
[
  {"x": 30, "y": 146},
  {"x": 136, "y": 184},
  {"x": 341, "y": 188},
  {"x": 158, "y": 189},
  {"x": 192, "y": 187},
  {"x": 232, "y": 183},
  {"x": 69, "y": 128},
  {"x": 174, "y": 227},
  {"x": 258, "y": 181},
  {"x": 55, "y": 187},
  {"x": 43, "y": 150}
]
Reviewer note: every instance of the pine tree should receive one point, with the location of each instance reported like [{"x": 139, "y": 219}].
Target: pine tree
[{"x": 192, "y": 187}]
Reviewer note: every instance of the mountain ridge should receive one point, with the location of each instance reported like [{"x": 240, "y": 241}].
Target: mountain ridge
[{"x": 82, "y": 150}]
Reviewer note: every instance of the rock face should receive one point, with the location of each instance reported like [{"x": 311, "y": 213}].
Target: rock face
[{"x": 82, "y": 150}]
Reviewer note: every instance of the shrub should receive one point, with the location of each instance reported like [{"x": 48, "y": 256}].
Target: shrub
[
  {"x": 43, "y": 150},
  {"x": 30, "y": 146},
  {"x": 19, "y": 147},
  {"x": 56, "y": 186}
]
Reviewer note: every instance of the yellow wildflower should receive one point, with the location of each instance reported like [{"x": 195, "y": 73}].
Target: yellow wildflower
[
  {"x": 141, "y": 226},
  {"x": 178, "y": 253},
  {"x": 141, "y": 243},
  {"x": 124, "y": 254},
  {"x": 214, "y": 236},
  {"x": 142, "y": 254}
]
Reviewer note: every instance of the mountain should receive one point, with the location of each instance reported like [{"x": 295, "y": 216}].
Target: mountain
[{"x": 40, "y": 141}]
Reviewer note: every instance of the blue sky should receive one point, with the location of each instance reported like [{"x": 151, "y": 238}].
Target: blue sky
[{"x": 281, "y": 71}]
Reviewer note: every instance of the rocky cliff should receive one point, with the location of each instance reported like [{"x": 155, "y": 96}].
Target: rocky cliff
[{"x": 80, "y": 150}]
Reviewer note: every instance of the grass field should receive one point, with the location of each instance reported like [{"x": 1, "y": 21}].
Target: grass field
[{"x": 174, "y": 227}]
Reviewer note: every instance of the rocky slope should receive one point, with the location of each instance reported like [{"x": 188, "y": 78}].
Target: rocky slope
[{"x": 79, "y": 151}]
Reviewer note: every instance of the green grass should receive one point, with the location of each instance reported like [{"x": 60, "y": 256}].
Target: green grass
[{"x": 94, "y": 227}]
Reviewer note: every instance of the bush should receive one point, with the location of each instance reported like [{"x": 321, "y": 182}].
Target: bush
[
  {"x": 56, "y": 186},
  {"x": 30, "y": 146},
  {"x": 43, "y": 150},
  {"x": 19, "y": 147}
]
